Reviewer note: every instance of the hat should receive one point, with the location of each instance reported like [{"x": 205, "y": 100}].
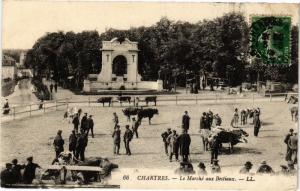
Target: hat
[
  {"x": 91, "y": 115},
  {"x": 291, "y": 130},
  {"x": 174, "y": 130},
  {"x": 169, "y": 129},
  {"x": 73, "y": 131},
  {"x": 263, "y": 162},
  {"x": 59, "y": 131},
  {"x": 248, "y": 163},
  {"x": 30, "y": 159},
  {"x": 14, "y": 161},
  {"x": 127, "y": 126},
  {"x": 117, "y": 126},
  {"x": 185, "y": 112},
  {"x": 201, "y": 165}
]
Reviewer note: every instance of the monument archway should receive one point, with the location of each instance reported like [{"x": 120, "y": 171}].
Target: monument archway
[{"x": 119, "y": 66}]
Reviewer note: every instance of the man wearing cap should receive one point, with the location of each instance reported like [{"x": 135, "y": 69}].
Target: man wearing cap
[
  {"x": 186, "y": 121},
  {"x": 84, "y": 123},
  {"x": 29, "y": 172},
  {"x": 265, "y": 168},
  {"x": 184, "y": 141},
  {"x": 16, "y": 169},
  {"x": 215, "y": 167},
  {"x": 72, "y": 142},
  {"x": 165, "y": 135},
  {"x": 127, "y": 138},
  {"x": 202, "y": 170},
  {"x": 173, "y": 145},
  {"x": 288, "y": 155},
  {"x": 58, "y": 143},
  {"x": 117, "y": 139},
  {"x": 135, "y": 126},
  {"x": 90, "y": 125},
  {"x": 247, "y": 167},
  {"x": 76, "y": 122}
]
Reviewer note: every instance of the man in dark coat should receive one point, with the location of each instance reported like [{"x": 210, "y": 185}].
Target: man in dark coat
[
  {"x": 246, "y": 169},
  {"x": 214, "y": 149},
  {"x": 204, "y": 121},
  {"x": 117, "y": 139},
  {"x": 135, "y": 126},
  {"x": 288, "y": 156},
  {"x": 256, "y": 123},
  {"x": 115, "y": 119},
  {"x": 184, "y": 141},
  {"x": 90, "y": 125},
  {"x": 84, "y": 123},
  {"x": 186, "y": 121},
  {"x": 127, "y": 138},
  {"x": 72, "y": 142},
  {"x": 16, "y": 169},
  {"x": 76, "y": 122},
  {"x": 293, "y": 147},
  {"x": 51, "y": 88},
  {"x": 55, "y": 87},
  {"x": 58, "y": 143},
  {"x": 82, "y": 140},
  {"x": 7, "y": 176},
  {"x": 29, "y": 172},
  {"x": 165, "y": 135},
  {"x": 173, "y": 145}
]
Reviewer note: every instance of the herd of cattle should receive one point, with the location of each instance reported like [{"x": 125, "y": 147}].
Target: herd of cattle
[{"x": 128, "y": 99}]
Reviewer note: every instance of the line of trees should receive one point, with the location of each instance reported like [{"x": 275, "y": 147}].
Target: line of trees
[{"x": 168, "y": 50}]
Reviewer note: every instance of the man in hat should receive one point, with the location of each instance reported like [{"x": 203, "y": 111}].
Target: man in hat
[
  {"x": 293, "y": 146},
  {"x": 58, "y": 143},
  {"x": 76, "y": 122},
  {"x": 184, "y": 141},
  {"x": 90, "y": 125},
  {"x": 288, "y": 155},
  {"x": 165, "y": 135},
  {"x": 265, "y": 168},
  {"x": 115, "y": 119},
  {"x": 7, "y": 176},
  {"x": 127, "y": 138},
  {"x": 215, "y": 146},
  {"x": 256, "y": 123},
  {"x": 84, "y": 123},
  {"x": 72, "y": 142},
  {"x": 117, "y": 139},
  {"x": 247, "y": 167},
  {"x": 215, "y": 167},
  {"x": 202, "y": 170},
  {"x": 172, "y": 141},
  {"x": 135, "y": 126},
  {"x": 186, "y": 121},
  {"x": 29, "y": 172},
  {"x": 16, "y": 169},
  {"x": 82, "y": 140},
  {"x": 185, "y": 168}
]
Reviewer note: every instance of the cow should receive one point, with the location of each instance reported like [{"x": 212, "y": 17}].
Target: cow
[
  {"x": 294, "y": 113},
  {"x": 129, "y": 111},
  {"x": 231, "y": 136},
  {"x": 124, "y": 99},
  {"x": 104, "y": 100},
  {"x": 148, "y": 112},
  {"x": 150, "y": 99}
]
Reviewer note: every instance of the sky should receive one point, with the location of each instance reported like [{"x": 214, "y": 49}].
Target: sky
[{"x": 23, "y": 22}]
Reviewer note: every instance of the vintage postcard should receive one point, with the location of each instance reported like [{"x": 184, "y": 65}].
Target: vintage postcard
[{"x": 159, "y": 95}]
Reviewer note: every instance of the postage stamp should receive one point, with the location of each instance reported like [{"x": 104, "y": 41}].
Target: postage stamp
[
  {"x": 149, "y": 95},
  {"x": 271, "y": 39}
]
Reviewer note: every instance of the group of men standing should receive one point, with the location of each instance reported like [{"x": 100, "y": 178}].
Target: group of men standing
[{"x": 128, "y": 134}]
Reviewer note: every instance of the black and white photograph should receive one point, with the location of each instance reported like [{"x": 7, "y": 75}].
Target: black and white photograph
[{"x": 149, "y": 95}]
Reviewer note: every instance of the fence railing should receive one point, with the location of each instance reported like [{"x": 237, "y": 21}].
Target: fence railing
[{"x": 252, "y": 98}]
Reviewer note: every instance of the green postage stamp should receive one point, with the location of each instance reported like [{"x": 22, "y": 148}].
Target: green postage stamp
[{"x": 270, "y": 39}]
